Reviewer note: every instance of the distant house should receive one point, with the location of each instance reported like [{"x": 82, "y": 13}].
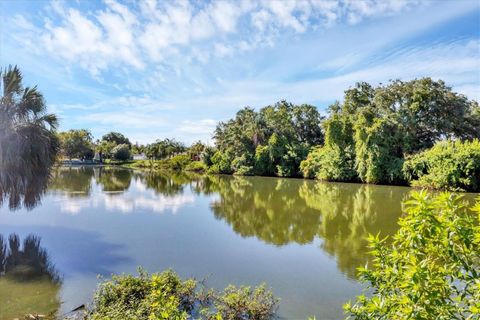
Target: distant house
[{"x": 140, "y": 156}]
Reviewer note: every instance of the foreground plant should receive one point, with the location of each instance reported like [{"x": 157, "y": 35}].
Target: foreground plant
[
  {"x": 432, "y": 268},
  {"x": 166, "y": 296}
]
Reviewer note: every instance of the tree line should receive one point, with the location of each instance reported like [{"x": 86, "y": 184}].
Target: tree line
[
  {"x": 398, "y": 133},
  {"x": 418, "y": 132},
  {"x": 383, "y": 134}
]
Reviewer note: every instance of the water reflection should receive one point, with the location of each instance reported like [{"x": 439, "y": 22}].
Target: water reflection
[
  {"x": 283, "y": 211},
  {"x": 29, "y": 282},
  {"x": 74, "y": 181},
  {"x": 350, "y": 212},
  {"x": 276, "y": 211},
  {"x": 18, "y": 189},
  {"x": 77, "y": 181},
  {"x": 119, "y": 190}
]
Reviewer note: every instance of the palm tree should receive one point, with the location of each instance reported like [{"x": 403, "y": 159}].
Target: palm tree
[{"x": 28, "y": 143}]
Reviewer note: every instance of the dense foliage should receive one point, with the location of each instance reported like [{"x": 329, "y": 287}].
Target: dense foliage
[
  {"x": 28, "y": 143},
  {"x": 431, "y": 270},
  {"x": 368, "y": 136},
  {"x": 335, "y": 160},
  {"x": 272, "y": 141},
  {"x": 166, "y": 296},
  {"x": 162, "y": 149},
  {"x": 453, "y": 165},
  {"x": 77, "y": 144},
  {"x": 121, "y": 152},
  {"x": 116, "y": 137}
]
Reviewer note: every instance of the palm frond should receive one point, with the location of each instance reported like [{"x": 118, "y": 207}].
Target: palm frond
[{"x": 12, "y": 81}]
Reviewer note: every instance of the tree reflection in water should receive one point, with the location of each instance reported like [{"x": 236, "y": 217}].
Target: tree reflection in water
[
  {"x": 74, "y": 181},
  {"x": 29, "y": 282},
  {"x": 19, "y": 189},
  {"x": 276, "y": 211},
  {"x": 283, "y": 211}
]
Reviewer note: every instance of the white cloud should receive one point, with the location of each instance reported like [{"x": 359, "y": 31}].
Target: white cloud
[
  {"x": 225, "y": 15},
  {"x": 93, "y": 43},
  {"x": 136, "y": 198},
  {"x": 222, "y": 50},
  {"x": 120, "y": 36}
]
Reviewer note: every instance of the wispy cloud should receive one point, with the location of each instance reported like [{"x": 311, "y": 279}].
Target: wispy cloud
[{"x": 132, "y": 36}]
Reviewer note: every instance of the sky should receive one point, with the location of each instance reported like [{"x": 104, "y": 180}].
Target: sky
[{"x": 174, "y": 69}]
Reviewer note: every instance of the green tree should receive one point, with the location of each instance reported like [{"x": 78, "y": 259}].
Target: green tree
[
  {"x": 281, "y": 133},
  {"x": 28, "y": 143},
  {"x": 378, "y": 153},
  {"x": 138, "y": 148},
  {"x": 195, "y": 151},
  {"x": 335, "y": 161},
  {"x": 369, "y": 134},
  {"x": 117, "y": 138},
  {"x": 430, "y": 271},
  {"x": 428, "y": 111},
  {"x": 162, "y": 149},
  {"x": 121, "y": 152},
  {"x": 77, "y": 144},
  {"x": 105, "y": 148}
]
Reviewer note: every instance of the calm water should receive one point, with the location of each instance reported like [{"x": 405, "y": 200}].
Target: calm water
[{"x": 305, "y": 239}]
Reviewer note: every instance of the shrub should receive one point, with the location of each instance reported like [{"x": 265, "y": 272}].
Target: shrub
[
  {"x": 245, "y": 303},
  {"x": 179, "y": 162},
  {"x": 452, "y": 165},
  {"x": 121, "y": 152},
  {"x": 431, "y": 270},
  {"x": 196, "y": 166},
  {"x": 221, "y": 162},
  {"x": 244, "y": 171},
  {"x": 166, "y": 296}
]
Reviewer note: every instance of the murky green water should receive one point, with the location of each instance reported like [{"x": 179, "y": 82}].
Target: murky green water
[{"x": 305, "y": 239}]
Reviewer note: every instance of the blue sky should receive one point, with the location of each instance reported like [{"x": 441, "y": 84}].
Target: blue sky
[{"x": 175, "y": 68}]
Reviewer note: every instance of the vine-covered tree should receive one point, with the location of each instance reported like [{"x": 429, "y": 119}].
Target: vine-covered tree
[{"x": 371, "y": 132}]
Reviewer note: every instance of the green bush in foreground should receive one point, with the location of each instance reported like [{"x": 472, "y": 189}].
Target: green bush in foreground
[
  {"x": 453, "y": 165},
  {"x": 166, "y": 296},
  {"x": 432, "y": 268}
]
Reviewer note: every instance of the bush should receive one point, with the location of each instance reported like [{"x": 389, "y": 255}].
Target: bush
[
  {"x": 221, "y": 162},
  {"x": 121, "y": 152},
  {"x": 244, "y": 171},
  {"x": 431, "y": 270},
  {"x": 179, "y": 162},
  {"x": 166, "y": 296},
  {"x": 452, "y": 165},
  {"x": 196, "y": 166}
]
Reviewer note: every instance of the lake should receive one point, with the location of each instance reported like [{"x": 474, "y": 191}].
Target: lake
[{"x": 303, "y": 238}]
